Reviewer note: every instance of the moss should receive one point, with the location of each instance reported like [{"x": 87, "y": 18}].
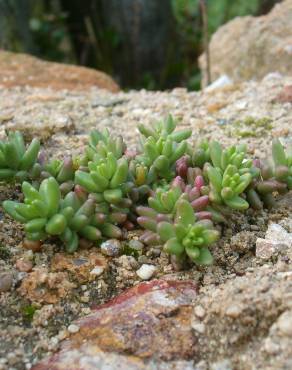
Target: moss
[{"x": 250, "y": 127}]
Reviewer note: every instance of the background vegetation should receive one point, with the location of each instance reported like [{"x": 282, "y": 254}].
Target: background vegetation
[{"x": 142, "y": 43}]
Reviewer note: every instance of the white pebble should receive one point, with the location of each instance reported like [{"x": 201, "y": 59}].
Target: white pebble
[
  {"x": 98, "y": 270},
  {"x": 73, "y": 328},
  {"x": 145, "y": 272}
]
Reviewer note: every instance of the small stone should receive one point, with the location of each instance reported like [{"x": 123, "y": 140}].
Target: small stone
[
  {"x": 135, "y": 244},
  {"x": 265, "y": 249},
  {"x": 221, "y": 365},
  {"x": 98, "y": 270},
  {"x": 145, "y": 272},
  {"x": 202, "y": 365},
  {"x": 73, "y": 328},
  {"x": 111, "y": 248},
  {"x": 285, "y": 324},
  {"x": 234, "y": 311},
  {"x": 6, "y": 280},
  {"x": 24, "y": 265},
  {"x": 199, "y": 327},
  {"x": 199, "y": 312},
  {"x": 271, "y": 347},
  {"x": 33, "y": 245}
]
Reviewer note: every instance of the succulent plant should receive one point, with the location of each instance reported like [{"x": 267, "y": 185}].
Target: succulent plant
[
  {"x": 161, "y": 148},
  {"x": 63, "y": 171},
  {"x": 260, "y": 192},
  {"x": 226, "y": 188},
  {"x": 106, "y": 179},
  {"x": 182, "y": 235},
  {"x": 44, "y": 214},
  {"x": 18, "y": 162},
  {"x": 101, "y": 143},
  {"x": 282, "y": 163},
  {"x": 201, "y": 154}
]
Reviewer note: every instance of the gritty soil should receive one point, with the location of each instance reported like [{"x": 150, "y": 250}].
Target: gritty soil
[{"x": 242, "y": 315}]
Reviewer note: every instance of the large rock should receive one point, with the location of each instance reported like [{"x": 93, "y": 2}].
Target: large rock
[
  {"x": 251, "y": 47},
  {"x": 140, "y": 329},
  {"x": 26, "y": 70}
]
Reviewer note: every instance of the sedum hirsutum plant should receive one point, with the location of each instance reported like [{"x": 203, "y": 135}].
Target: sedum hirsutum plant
[
  {"x": 105, "y": 178},
  {"x": 101, "y": 143},
  {"x": 18, "y": 161},
  {"x": 62, "y": 170},
  {"x": 177, "y": 191},
  {"x": 161, "y": 146},
  {"x": 181, "y": 235},
  {"x": 282, "y": 163},
  {"x": 44, "y": 214}
]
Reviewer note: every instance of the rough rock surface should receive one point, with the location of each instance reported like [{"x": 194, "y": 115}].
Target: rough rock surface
[
  {"x": 149, "y": 321},
  {"x": 250, "y": 47},
  {"x": 26, "y": 70},
  {"x": 240, "y": 319}
]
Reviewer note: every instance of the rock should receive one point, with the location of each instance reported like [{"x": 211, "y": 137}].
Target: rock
[
  {"x": 73, "y": 329},
  {"x": 97, "y": 271},
  {"x": 199, "y": 312},
  {"x": 23, "y": 265},
  {"x": 32, "y": 245},
  {"x": 284, "y": 324},
  {"x": 234, "y": 311},
  {"x": 221, "y": 365},
  {"x": 45, "y": 287},
  {"x": 221, "y": 82},
  {"x": 26, "y": 70},
  {"x": 277, "y": 239},
  {"x": 251, "y": 47},
  {"x": 145, "y": 272},
  {"x": 111, "y": 248},
  {"x": 6, "y": 280},
  {"x": 140, "y": 329},
  {"x": 285, "y": 95},
  {"x": 83, "y": 265},
  {"x": 265, "y": 249},
  {"x": 136, "y": 244}
]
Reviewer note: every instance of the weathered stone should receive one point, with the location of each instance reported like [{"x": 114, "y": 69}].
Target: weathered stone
[
  {"x": 277, "y": 240},
  {"x": 265, "y": 249},
  {"x": 45, "y": 287},
  {"x": 81, "y": 264},
  {"x": 285, "y": 95},
  {"x": 150, "y": 322},
  {"x": 146, "y": 271},
  {"x": 25, "y": 70},
  {"x": 111, "y": 247},
  {"x": 23, "y": 265},
  {"x": 251, "y": 47},
  {"x": 6, "y": 280}
]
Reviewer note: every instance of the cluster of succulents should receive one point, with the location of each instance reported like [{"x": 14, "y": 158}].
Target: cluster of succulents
[
  {"x": 18, "y": 162},
  {"x": 176, "y": 192}
]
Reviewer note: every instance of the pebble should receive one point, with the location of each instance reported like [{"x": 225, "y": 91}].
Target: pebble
[
  {"x": 135, "y": 244},
  {"x": 199, "y": 312},
  {"x": 98, "y": 270},
  {"x": 234, "y": 311},
  {"x": 145, "y": 272},
  {"x": 73, "y": 328},
  {"x": 271, "y": 347},
  {"x": 32, "y": 245},
  {"x": 265, "y": 249},
  {"x": 6, "y": 280},
  {"x": 199, "y": 327},
  {"x": 111, "y": 248},
  {"x": 221, "y": 365},
  {"x": 24, "y": 265},
  {"x": 285, "y": 324}
]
